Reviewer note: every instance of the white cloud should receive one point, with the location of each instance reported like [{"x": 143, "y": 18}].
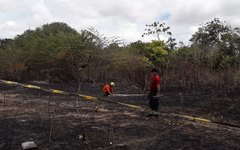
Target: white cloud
[
  {"x": 10, "y": 23},
  {"x": 11, "y": 26},
  {"x": 124, "y": 18}
]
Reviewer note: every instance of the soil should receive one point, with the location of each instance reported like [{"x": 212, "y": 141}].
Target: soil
[{"x": 61, "y": 122}]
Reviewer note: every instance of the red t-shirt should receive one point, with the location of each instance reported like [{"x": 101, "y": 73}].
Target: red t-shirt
[{"x": 154, "y": 82}]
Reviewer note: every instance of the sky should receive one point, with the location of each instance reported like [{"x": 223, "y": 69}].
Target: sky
[{"x": 125, "y": 19}]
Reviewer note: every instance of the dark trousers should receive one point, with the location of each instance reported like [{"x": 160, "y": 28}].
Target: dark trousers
[
  {"x": 106, "y": 94},
  {"x": 153, "y": 101}
]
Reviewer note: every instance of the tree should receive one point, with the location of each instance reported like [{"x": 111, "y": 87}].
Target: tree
[
  {"x": 157, "y": 29},
  {"x": 103, "y": 41},
  {"x": 210, "y": 34},
  {"x": 156, "y": 53},
  {"x": 218, "y": 42},
  {"x": 12, "y": 63},
  {"x": 49, "y": 50},
  {"x": 4, "y": 43}
]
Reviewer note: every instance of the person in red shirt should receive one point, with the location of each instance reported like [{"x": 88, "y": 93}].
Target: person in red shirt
[
  {"x": 108, "y": 89},
  {"x": 154, "y": 87}
]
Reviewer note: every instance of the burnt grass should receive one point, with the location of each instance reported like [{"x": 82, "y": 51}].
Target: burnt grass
[{"x": 56, "y": 122}]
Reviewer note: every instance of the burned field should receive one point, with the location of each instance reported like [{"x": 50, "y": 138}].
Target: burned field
[{"x": 67, "y": 122}]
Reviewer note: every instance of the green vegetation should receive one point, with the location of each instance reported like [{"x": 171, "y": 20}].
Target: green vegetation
[{"x": 57, "y": 53}]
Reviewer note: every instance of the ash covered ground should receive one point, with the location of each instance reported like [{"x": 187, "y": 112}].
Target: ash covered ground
[{"x": 65, "y": 122}]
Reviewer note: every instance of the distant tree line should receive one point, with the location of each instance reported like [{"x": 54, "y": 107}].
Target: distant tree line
[{"x": 57, "y": 53}]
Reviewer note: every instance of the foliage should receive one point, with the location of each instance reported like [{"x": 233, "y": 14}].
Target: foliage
[
  {"x": 158, "y": 29},
  {"x": 156, "y": 52},
  {"x": 57, "y": 53},
  {"x": 211, "y": 33},
  {"x": 219, "y": 44}
]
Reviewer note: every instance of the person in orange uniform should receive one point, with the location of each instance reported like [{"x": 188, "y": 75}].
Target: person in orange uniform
[{"x": 108, "y": 89}]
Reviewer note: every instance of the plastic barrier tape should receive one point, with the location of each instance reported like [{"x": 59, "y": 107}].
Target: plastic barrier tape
[
  {"x": 54, "y": 91},
  {"x": 31, "y": 86},
  {"x": 195, "y": 118}
]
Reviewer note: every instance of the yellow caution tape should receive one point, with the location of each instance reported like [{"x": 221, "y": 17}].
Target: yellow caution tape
[
  {"x": 65, "y": 93},
  {"x": 88, "y": 97},
  {"x": 203, "y": 120},
  {"x": 9, "y": 82},
  {"x": 130, "y": 105},
  {"x": 188, "y": 117},
  {"x": 195, "y": 118},
  {"x": 93, "y": 98},
  {"x": 31, "y": 86},
  {"x": 58, "y": 91}
]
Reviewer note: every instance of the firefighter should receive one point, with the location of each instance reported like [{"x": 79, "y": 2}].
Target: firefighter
[
  {"x": 154, "y": 87},
  {"x": 108, "y": 89}
]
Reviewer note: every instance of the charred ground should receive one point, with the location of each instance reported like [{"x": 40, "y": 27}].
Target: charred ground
[{"x": 64, "y": 122}]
